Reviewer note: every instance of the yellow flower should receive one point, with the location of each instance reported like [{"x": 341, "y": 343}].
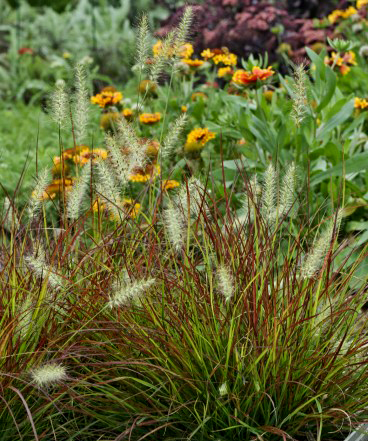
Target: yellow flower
[
  {"x": 341, "y": 13},
  {"x": 168, "y": 184},
  {"x": 98, "y": 205},
  {"x": 67, "y": 55},
  {"x": 86, "y": 155},
  {"x": 197, "y": 139},
  {"x": 228, "y": 59},
  {"x": 360, "y": 103},
  {"x": 224, "y": 71},
  {"x": 184, "y": 109},
  {"x": 146, "y": 174},
  {"x": 56, "y": 187},
  {"x": 70, "y": 153},
  {"x": 149, "y": 118},
  {"x": 268, "y": 94},
  {"x": 186, "y": 50},
  {"x": 107, "y": 98},
  {"x": 207, "y": 54},
  {"x": 127, "y": 114},
  {"x": 361, "y": 3},
  {"x": 342, "y": 62},
  {"x": 192, "y": 63}
]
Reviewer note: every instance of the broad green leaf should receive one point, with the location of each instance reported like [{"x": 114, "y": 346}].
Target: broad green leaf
[{"x": 341, "y": 116}]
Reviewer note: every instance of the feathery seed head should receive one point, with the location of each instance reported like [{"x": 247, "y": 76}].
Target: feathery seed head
[
  {"x": 76, "y": 195},
  {"x": 143, "y": 42},
  {"x": 269, "y": 195},
  {"x": 173, "y": 135},
  {"x": 287, "y": 191},
  {"x": 183, "y": 29},
  {"x": 49, "y": 375},
  {"x": 225, "y": 282},
  {"x": 59, "y": 103},
  {"x": 126, "y": 291},
  {"x": 38, "y": 193},
  {"x": 300, "y": 98},
  {"x": 174, "y": 226},
  {"x": 81, "y": 102}
]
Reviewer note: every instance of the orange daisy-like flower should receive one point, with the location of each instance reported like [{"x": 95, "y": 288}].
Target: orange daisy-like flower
[
  {"x": 149, "y": 118},
  {"x": 87, "y": 155},
  {"x": 143, "y": 175},
  {"x": 343, "y": 62},
  {"x": 184, "y": 109},
  {"x": 107, "y": 98},
  {"x": 131, "y": 208},
  {"x": 197, "y": 139},
  {"x": 207, "y": 54},
  {"x": 70, "y": 153},
  {"x": 168, "y": 184},
  {"x": 186, "y": 50},
  {"x": 228, "y": 59},
  {"x": 192, "y": 62},
  {"x": 243, "y": 77},
  {"x": 55, "y": 188}
]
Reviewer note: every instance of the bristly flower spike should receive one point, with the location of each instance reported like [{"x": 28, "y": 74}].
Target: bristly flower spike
[
  {"x": 59, "y": 103},
  {"x": 49, "y": 375},
  {"x": 81, "y": 102},
  {"x": 75, "y": 197}
]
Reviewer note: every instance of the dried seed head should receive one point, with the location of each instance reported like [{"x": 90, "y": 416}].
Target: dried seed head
[{"x": 48, "y": 375}]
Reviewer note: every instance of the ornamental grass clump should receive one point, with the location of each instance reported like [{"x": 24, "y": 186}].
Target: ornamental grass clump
[{"x": 234, "y": 340}]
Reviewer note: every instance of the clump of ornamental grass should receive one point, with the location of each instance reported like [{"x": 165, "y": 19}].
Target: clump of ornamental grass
[{"x": 236, "y": 339}]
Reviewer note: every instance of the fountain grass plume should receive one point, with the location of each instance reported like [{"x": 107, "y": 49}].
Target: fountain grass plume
[
  {"x": 49, "y": 374},
  {"x": 287, "y": 191},
  {"x": 300, "y": 98},
  {"x": 59, "y": 104},
  {"x": 269, "y": 194},
  {"x": 76, "y": 195},
  {"x": 38, "y": 193},
  {"x": 183, "y": 29},
  {"x": 108, "y": 189},
  {"x": 41, "y": 269},
  {"x": 174, "y": 226},
  {"x": 322, "y": 243},
  {"x": 81, "y": 102},
  {"x": 173, "y": 135},
  {"x": 162, "y": 60},
  {"x": 143, "y": 42},
  {"x": 225, "y": 282},
  {"x": 126, "y": 291}
]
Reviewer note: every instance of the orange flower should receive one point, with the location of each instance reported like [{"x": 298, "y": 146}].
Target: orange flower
[
  {"x": 197, "y": 139},
  {"x": 70, "y": 153},
  {"x": 192, "y": 62},
  {"x": 86, "y": 155},
  {"x": 243, "y": 77},
  {"x": 168, "y": 184},
  {"x": 127, "y": 114},
  {"x": 146, "y": 174},
  {"x": 149, "y": 118},
  {"x": 107, "y": 98}
]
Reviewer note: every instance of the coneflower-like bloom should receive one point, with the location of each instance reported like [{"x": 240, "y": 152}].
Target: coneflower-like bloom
[
  {"x": 77, "y": 193},
  {"x": 150, "y": 118},
  {"x": 269, "y": 194},
  {"x": 81, "y": 102},
  {"x": 49, "y": 374},
  {"x": 40, "y": 267},
  {"x": 169, "y": 184},
  {"x": 38, "y": 193},
  {"x": 245, "y": 78},
  {"x": 174, "y": 226},
  {"x": 126, "y": 291},
  {"x": 198, "y": 138},
  {"x": 225, "y": 282},
  {"x": 314, "y": 260},
  {"x": 59, "y": 103},
  {"x": 173, "y": 135},
  {"x": 300, "y": 99},
  {"x": 107, "y": 98}
]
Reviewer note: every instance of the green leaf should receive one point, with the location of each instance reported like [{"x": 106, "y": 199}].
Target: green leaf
[
  {"x": 355, "y": 164},
  {"x": 337, "y": 119},
  {"x": 331, "y": 87}
]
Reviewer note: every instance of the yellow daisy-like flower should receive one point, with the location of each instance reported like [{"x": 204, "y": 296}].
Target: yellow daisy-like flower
[
  {"x": 341, "y": 13},
  {"x": 192, "y": 62},
  {"x": 168, "y": 184},
  {"x": 147, "y": 87},
  {"x": 207, "y": 54},
  {"x": 197, "y": 139},
  {"x": 361, "y": 3},
  {"x": 184, "y": 109},
  {"x": 127, "y": 114},
  {"x": 360, "y": 103},
  {"x": 146, "y": 174},
  {"x": 94, "y": 155},
  {"x": 228, "y": 59},
  {"x": 70, "y": 153},
  {"x": 224, "y": 71},
  {"x": 149, "y": 118},
  {"x": 107, "y": 98},
  {"x": 186, "y": 50},
  {"x": 56, "y": 187}
]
